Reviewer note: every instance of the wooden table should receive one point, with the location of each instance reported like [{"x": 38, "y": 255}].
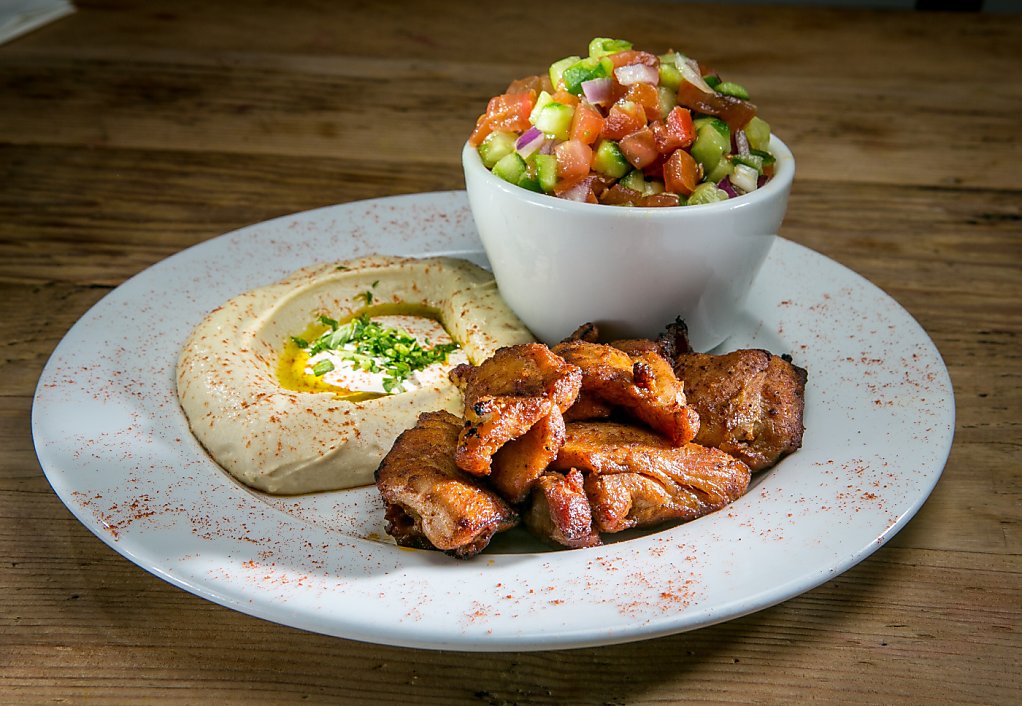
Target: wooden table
[{"x": 132, "y": 130}]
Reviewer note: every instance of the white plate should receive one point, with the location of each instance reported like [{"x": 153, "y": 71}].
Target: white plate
[{"x": 116, "y": 448}]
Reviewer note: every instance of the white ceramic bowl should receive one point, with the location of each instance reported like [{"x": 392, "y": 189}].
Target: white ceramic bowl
[{"x": 632, "y": 271}]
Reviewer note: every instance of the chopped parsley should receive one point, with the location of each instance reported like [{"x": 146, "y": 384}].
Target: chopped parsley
[{"x": 368, "y": 346}]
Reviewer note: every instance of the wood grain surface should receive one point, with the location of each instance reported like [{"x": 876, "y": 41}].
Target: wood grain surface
[{"x": 132, "y": 130}]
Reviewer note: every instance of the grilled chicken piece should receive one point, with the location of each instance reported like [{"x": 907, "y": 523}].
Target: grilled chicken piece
[
  {"x": 588, "y": 331},
  {"x": 643, "y": 384},
  {"x": 672, "y": 342},
  {"x": 430, "y": 502},
  {"x": 506, "y": 395},
  {"x": 750, "y": 403},
  {"x": 588, "y": 406},
  {"x": 636, "y": 478},
  {"x": 520, "y": 462},
  {"x": 559, "y": 511}
]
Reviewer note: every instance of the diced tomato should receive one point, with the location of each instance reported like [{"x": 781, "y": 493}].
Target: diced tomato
[
  {"x": 617, "y": 91},
  {"x": 639, "y": 148},
  {"x": 679, "y": 124},
  {"x": 633, "y": 56},
  {"x": 587, "y": 123},
  {"x": 734, "y": 111},
  {"x": 565, "y": 98},
  {"x": 676, "y": 131},
  {"x": 645, "y": 94},
  {"x": 618, "y": 195},
  {"x": 480, "y": 131},
  {"x": 508, "y": 111},
  {"x": 681, "y": 173},
  {"x": 664, "y": 199},
  {"x": 574, "y": 159},
  {"x": 664, "y": 141},
  {"x": 530, "y": 83},
  {"x": 655, "y": 169},
  {"x": 623, "y": 118},
  {"x": 512, "y": 111}
]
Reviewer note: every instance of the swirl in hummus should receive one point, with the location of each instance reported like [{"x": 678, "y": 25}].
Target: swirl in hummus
[{"x": 263, "y": 414}]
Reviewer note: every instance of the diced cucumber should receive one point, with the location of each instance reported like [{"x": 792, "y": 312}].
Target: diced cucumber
[
  {"x": 750, "y": 160},
  {"x": 555, "y": 119},
  {"x": 542, "y": 100},
  {"x": 584, "y": 70},
  {"x": 527, "y": 181},
  {"x": 602, "y": 46},
  {"x": 758, "y": 132},
  {"x": 767, "y": 158},
  {"x": 634, "y": 180},
  {"x": 654, "y": 186},
  {"x": 670, "y": 77},
  {"x": 716, "y": 123},
  {"x": 557, "y": 68},
  {"x": 722, "y": 170},
  {"x": 496, "y": 146},
  {"x": 668, "y": 98},
  {"x": 511, "y": 167},
  {"x": 735, "y": 90},
  {"x": 609, "y": 160},
  {"x": 710, "y": 146},
  {"x": 546, "y": 171},
  {"x": 706, "y": 193}
]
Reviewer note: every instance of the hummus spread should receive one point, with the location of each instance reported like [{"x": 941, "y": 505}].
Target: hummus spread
[{"x": 277, "y": 436}]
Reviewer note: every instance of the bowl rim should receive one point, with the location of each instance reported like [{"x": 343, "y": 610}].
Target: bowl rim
[{"x": 778, "y": 184}]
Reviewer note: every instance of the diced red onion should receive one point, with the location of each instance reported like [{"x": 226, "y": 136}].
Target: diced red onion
[
  {"x": 690, "y": 72},
  {"x": 530, "y": 141},
  {"x": 726, "y": 185},
  {"x": 637, "y": 73},
  {"x": 742, "y": 143},
  {"x": 548, "y": 146},
  {"x": 579, "y": 192},
  {"x": 599, "y": 91}
]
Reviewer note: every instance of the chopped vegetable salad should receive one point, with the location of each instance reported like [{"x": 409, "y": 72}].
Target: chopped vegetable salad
[{"x": 626, "y": 127}]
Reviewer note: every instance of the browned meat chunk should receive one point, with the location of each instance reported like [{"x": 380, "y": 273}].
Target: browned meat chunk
[
  {"x": 520, "y": 462},
  {"x": 643, "y": 384},
  {"x": 624, "y": 500},
  {"x": 506, "y": 395},
  {"x": 588, "y": 406},
  {"x": 430, "y": 502},
  {"x": 586, "y": 332},
  {"x": 636, "y": 478},
  {"x": 670, "y": 343},
  {"x": 750, "y": 403},
  {"x": 559, "y": 511}
]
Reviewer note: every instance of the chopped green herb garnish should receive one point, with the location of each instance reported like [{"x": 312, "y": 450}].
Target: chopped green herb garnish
[
  {"x": 375, "y": 282},
  {"x": 342, "y": 268},
  {"x": 366, "y": 345},
  {"x": 366, "y": 296},
  {"x": 299, "y": 341},
  {"x": 322, "y": 368}
]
